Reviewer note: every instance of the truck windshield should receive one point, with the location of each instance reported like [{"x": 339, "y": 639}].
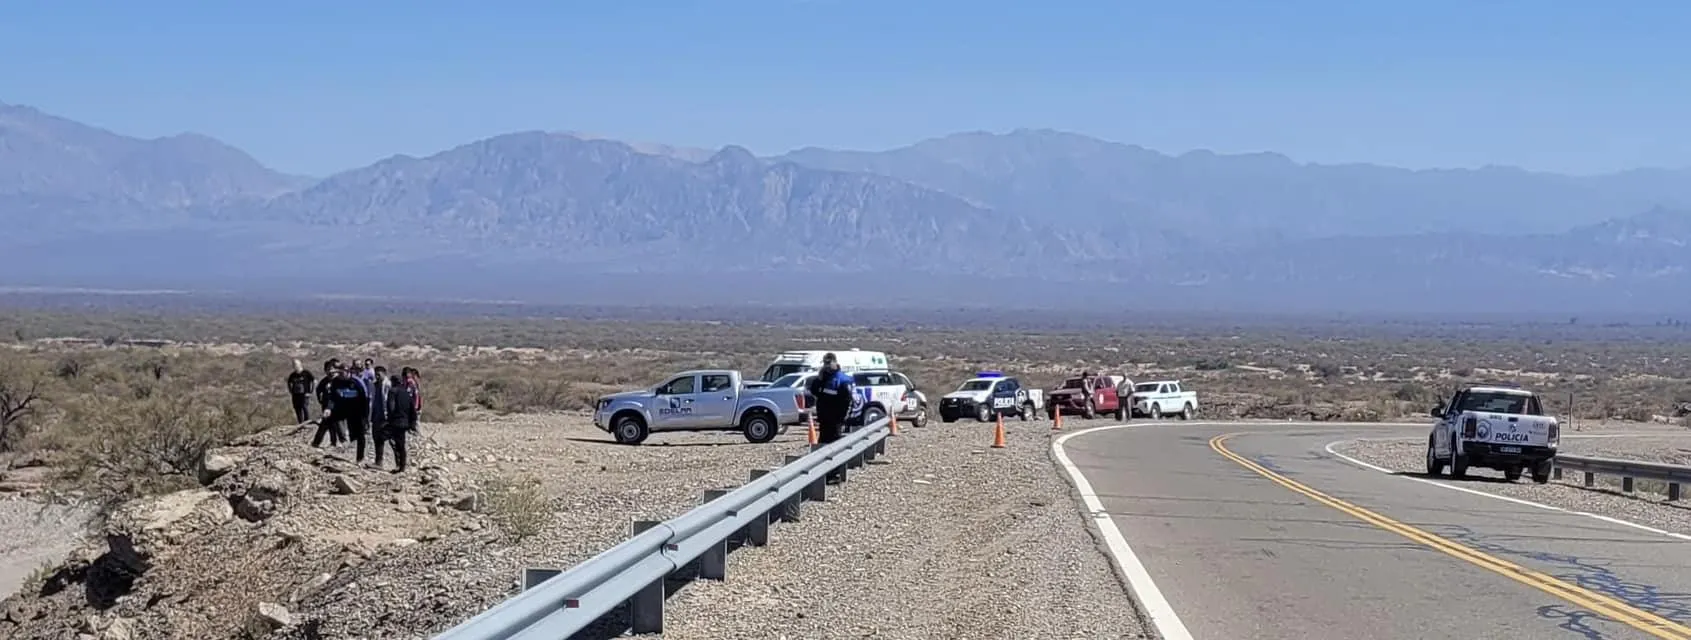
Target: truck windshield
[
  {"x": 1495, "y": 402},
  {"x": 776, "y": 371},
  {"x": 975, "y": 385}
]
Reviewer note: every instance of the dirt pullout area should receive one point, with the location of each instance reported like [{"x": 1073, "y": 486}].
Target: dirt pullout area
[
  {"x": 949, "y": 538},
  {"x": 34, "y": 535},
  {"x": 277, "y": 539},
  {"x": 1626, "y": 441}
]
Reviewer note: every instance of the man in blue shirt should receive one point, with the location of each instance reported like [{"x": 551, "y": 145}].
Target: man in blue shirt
[{"x": 834, "y": 395}]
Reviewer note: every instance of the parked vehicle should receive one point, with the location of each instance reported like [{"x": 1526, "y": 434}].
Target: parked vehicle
[
  {"x": 885, "y": 390},
  {"x": 991, "y": 394},
  {"x": 1157, "y": 399},
  {"x": 1495, "y": 427},
  {"x": 791, "y": 362},
  {"x": 1107, "y": 394},
  {"x": 703, "y": 400}
]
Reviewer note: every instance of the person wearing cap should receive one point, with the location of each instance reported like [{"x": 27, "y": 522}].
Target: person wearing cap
[
  {"x": 336, "y": 435},
  {"x": 832, "y": 389}
]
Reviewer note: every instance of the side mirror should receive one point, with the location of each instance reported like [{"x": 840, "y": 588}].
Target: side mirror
[{"x": 1437, "y": 412}]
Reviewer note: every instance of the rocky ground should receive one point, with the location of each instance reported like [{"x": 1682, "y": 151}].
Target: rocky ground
[
  {"x": 1633, "y": 441},
  {"x": 285, "y": 539},
  {"x": 949, "y": 538}
]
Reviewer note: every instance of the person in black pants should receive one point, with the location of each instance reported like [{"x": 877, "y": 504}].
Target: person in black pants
[
  {"x": 300, "y": 384},
  {"x": 400, "y": 414},
  {"x": 336, "y": 434},
  {"x": 832, "y": 389},
  {"x": 349, "y": 404}
]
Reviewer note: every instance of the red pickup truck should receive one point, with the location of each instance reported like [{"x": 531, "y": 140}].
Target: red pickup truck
[{"x": 1071, "y": 399}]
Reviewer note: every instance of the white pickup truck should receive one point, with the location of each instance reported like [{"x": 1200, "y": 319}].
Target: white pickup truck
[
  {"x": 1494, "y": 427},
  {"x": 1157, "y": 399},
  {"x": 703, "y": 400}
]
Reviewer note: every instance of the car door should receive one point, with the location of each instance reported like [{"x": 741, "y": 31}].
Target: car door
[
  {"x": 1004, "y": 394},
  {"x": 1444, "y": 437},
  {"x": 908, "y": 403},
  {"x": 675, "y": 403},
  {"x": 716, "y": 401}
]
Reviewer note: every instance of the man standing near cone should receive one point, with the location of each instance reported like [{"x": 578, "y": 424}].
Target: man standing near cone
[{"x": 832, "y": 389}]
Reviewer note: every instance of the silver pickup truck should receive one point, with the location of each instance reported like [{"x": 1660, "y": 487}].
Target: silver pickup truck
[{"x": 704, "y": 400}]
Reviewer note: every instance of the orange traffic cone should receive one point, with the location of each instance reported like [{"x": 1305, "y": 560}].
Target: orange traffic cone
[
  {"x": 998, "y": 434},
  {"x": 814, "y": 437},
  {"x": 1056, "y": 418},
  {"x": 892, "y": 425}
]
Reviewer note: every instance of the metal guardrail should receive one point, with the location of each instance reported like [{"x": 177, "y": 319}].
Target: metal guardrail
[
  {"x": 634, "y": 570},
  {"x": 1674, "y": 475}
]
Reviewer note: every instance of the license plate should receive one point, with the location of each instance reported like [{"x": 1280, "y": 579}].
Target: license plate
[{"x": 1509, "y": 449}]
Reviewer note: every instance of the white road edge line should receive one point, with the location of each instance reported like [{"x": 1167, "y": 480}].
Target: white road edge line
[
  {"x": 1529, "y": 503},
  {"x": 1163, "y": 617}
]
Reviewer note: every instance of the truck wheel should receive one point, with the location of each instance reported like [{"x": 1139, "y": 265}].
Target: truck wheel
[
  {"x": 1027, "y": 412},
  {"x": 871, "y": 414},
  {"x": 1089, "y": 411},
  {"x": 1541, "y": 472},
  {"x": 1512, "y": 474},
  {"x": 921, "y": 419},
  {"x": 1156, "y": 412},
  {"x": 1459, "y": 466},
  {"x": 1434, "y": 465},
  {"x": 759, "y": 426},
  {"x": 983, "y": 413},
  {"x": 630, "y": 429},
  {"x": 1186, "y": 412}
]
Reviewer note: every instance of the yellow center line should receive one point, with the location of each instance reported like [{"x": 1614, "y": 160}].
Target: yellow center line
[{"x": 1598, "y": 603}]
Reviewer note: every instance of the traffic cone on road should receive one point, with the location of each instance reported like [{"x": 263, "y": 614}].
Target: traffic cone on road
[{"x": 998, "y": 434}]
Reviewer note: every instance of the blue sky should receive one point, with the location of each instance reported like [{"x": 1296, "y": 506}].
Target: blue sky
[{"x": 314, "y": 87}]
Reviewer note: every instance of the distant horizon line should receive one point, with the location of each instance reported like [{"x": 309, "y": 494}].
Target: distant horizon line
[{"x": 649, "y": 147}]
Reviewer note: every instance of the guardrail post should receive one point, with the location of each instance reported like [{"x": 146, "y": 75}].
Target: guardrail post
[
  {"x": 1556, "y": 473},
  {"x": 790, "y": 510},
  {"x": 1673, "y": 491},
  {"x": 713, "y": 565},
  {"x": 645, "y": 609},
  {"x": 1626, "y": 484},
  {"x": 757, "y": 531},
  {"x": 1590, "y": 479}
]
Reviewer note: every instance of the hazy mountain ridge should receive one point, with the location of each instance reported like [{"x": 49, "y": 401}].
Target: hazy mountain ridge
[{"x": 534, "y": 212}]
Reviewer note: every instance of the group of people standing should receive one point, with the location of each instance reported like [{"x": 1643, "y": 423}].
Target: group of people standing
[{"x": 358, "y": 398}]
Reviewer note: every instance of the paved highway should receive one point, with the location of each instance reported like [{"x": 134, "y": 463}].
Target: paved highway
[{"x": 1252, "y": 530}]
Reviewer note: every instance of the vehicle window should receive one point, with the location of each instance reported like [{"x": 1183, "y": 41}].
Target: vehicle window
[
  {"x": 1072, "y": 383},
  {"x": 1174, "y": 388},
  {"x": 975, "y": 385},
  {"x": 904, "y": 380},
  {"x": 789, "y": 380},
  {"x": 678, "y": 386},
  {"x": 717, "y": 382},
  {"x": 776, "y": 371},
  {"x": 1145, "y": 387},
  {"x": 1492, "y": 402},
  {"x": 876, "y": 379},
  {"x": 1009, "y": 385}
]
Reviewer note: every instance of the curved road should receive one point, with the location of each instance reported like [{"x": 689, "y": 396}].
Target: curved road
[{"x": 1254, "y": 530}]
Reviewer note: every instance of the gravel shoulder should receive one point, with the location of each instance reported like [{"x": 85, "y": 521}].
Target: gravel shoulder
[
  {"x": 949, "y": 538},
  {"x": 35, "y": 534},
  {"x": 1662, "y": 443}
]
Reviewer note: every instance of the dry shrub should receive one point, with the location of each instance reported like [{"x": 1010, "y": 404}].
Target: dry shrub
[
  {"x": 122, "y": 448},
  {"x": 519, "y": 506}
]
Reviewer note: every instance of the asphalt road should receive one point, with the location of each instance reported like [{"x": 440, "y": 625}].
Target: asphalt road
[{"x": 1265, "y": 535}]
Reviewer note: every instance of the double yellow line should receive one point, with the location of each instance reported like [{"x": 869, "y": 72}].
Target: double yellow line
[{"x": 1590, "y": 600}]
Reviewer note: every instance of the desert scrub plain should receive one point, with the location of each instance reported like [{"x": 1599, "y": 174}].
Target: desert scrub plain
[{"x": 168, "y": 426}]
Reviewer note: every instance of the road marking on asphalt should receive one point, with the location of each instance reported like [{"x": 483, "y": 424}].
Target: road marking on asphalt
[
  {"x": 1510, "y": 499},
  {"x": 1598, "y": 603},
  {"x": 1167, "y": 623}
]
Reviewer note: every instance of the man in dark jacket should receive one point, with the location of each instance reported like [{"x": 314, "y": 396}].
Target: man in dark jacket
[
  {"x": 400, "y": 414},
  {"x": 833, "y": 391},
  {"x": 300, "y": 386},
  {"x": 336, "y": 435},
  {"x": 349, "y": 404}
]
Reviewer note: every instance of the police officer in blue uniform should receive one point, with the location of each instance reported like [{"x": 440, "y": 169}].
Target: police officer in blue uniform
[{"x": 834, "y": 395}]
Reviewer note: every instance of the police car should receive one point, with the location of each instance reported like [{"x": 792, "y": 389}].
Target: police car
[
  {"x": 991, "y": 394},
  {"x": 1494, "y": 426},
  {"x": 877, "y": 393}
]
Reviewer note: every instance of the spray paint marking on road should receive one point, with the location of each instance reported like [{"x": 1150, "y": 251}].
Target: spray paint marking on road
[{"x": 1598, "y": 603}]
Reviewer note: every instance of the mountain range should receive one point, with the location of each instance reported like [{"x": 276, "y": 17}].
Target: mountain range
[{"x": 1027, "y": 218}]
